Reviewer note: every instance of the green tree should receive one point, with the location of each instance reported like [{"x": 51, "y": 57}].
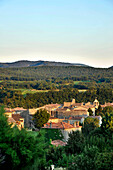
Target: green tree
[
  {"x": 54, "y": 155},
  {"x": 107, "y": 123},
  {"x": 85, "y": 160},
  {"x": 104, "y": 161},
  {"x": 53, "y": 134},
  {"x": 90, "y": 124},
  {"x": 90, "y": 112},
  {"x": 107, "y": 109},
  {"x": 99, "y": 111},
  {"x": 40, "y": 118},
  {"x": 20, "y": 148},
  {"x": 75, "y": 142}
]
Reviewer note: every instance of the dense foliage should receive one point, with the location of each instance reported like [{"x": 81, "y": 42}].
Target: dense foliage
[
  {"x": 52, "y": 134},
  {"x": 19, "y": 148},
  {"x": 107, "y": 122},
  {"x": 13, "y": 99},
  {"x": 75, "y": 142},
  {"x": 44, "y": 72},
  {"x": 90, "y": 124},
  {"x": 56, "y": 77},
  {"x": 40, "y": 118}
]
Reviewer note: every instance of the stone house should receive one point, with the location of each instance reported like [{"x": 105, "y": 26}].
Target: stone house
[
  {"x": 15, "y": 119},
  {"x": 65, "y": 128}
]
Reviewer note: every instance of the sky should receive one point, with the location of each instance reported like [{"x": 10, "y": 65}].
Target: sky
[{"x": 74, "y": 31}]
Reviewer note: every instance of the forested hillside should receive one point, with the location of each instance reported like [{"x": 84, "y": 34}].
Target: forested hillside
[
  {"x": 44, "y": 72},
  {"x": 13, "y": 98},
  {"x": 56, "y": 77},
  {"x": 35, "y": 86}
]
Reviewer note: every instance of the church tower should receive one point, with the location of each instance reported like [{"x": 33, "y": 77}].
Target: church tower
[{"x": 96, "y": 103}]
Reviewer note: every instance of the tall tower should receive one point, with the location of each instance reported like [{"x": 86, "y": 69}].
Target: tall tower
[
  {"x": 73, "y": 101},
  {"x": 96, "y": 103}
]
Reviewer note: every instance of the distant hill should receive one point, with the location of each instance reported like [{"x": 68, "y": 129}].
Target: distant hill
[
  {"x": 26, "y": 63},
  {"x": 111, "y": 67}
]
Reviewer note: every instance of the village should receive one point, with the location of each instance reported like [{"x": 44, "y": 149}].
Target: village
[{"x": 66, "y": 117}]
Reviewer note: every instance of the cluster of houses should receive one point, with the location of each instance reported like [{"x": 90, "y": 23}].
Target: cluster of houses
[
  {"x": 67, "y": 116},
  {"x": 14, "y": 117}
]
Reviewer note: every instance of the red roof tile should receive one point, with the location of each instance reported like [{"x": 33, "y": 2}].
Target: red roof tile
[
  {"x": 53, "y": 118},
  {"x": 16, "y": 117},
  {"x": 58, "y": 142},
  {"x": 59, "y": 125}
]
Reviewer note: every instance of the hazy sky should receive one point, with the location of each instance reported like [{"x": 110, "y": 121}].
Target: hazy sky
[{"x": 76, "y": 31}]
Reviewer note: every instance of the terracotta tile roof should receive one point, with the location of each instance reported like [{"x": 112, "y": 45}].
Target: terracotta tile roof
[
  {"x": 107, "y": 104},
  {"x": 103, "y": 105},
  {"x": 19, "y": 108},
  {"x": 59, "y": 125},
  {"x": 8, "y": 111},
  {"x": 17, "y": 117},
  {"x": 15, "y": 109},
  {"x": 53, "y": 105},
  {"x": 80, "y": 109},
  {"x": 88, "y": 106},
  {"x": 53, "y": 118},
  {"x": 58, "y": 142},
  {"x": 11, "y": 120},
  {"x": 77, "y": 104}
]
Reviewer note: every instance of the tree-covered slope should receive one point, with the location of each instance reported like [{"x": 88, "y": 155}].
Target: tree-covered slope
[{"x": 45, "y": 72}]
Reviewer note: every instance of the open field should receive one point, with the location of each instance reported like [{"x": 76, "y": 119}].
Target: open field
[
  {"x": 82, "y": 90},
  {"x": 77, "y": 82},
  {"x": 32, "y": 91}
]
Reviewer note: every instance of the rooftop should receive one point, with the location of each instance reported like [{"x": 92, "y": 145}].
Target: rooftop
[
  {"x": 58, "y": 143},
  {"x": 107, "y": 104},
  {"x": 59, "y": 125},
  {"x": 17, "y": 117},
  {"x": 53, "y": 118}
]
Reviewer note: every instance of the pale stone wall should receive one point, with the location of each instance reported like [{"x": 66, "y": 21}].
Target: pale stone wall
[{"x": 66, "y": 132}]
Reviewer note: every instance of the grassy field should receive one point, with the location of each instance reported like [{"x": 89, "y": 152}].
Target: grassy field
[
  {"x": 77, "y": 82},
  {"x": 32, "y": 91},
  {"x": 82, "y": 90}
]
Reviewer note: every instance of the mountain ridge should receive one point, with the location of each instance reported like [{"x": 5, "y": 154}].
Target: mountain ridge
[{"x": 27, "y": 63}]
